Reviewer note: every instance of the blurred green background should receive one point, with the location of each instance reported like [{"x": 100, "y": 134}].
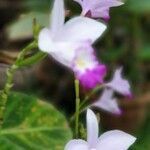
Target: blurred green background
[{"x": 125, "y": 43}]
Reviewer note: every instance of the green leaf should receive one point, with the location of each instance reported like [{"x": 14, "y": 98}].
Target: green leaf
[
  {"x": 22, "y": 28},
  {"x": 144, "y": 53},
  {"x": 138, "y": 6},
  {"x": 112, "y": 54},
  {"x": 37, "y": 5},
  {"x": 31, "y": 124},
  {"x": 142, "y": 142},
  {"x": 33, "y": 59}
]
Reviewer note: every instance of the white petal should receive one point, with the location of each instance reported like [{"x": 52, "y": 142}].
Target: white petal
[
  {"x": 85, "y": 59},
  {"x": 107, "y": 102},
  {"x": 44, "y": 41},
  {"x": 119, "y": 84},
  {"x": 115, "y": 140},
  {"x": 92, "y": 128},
  {"x": 82, "y": 29},
  {"x": 76, "y": 145},
  {"x": 57, "y": 16},
  {"x": 65, "y": 53}
]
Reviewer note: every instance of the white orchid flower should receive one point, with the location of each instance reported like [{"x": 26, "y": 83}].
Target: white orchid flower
[
  {"x": 111, "y": 140},
  {"x": 61, "y": 40},
  {"x": 65, "y": 41}
]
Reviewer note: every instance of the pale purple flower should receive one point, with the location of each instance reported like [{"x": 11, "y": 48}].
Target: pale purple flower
[
  {"x": 119, "y": 84},
  {"x": 107, "y": 102},
  {"x": 66, "y": 42},
  {"x": 111, "y": 140},
  {"x": 98, "y": 8}
]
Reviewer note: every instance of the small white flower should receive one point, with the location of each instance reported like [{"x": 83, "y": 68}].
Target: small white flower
[{"x": 111, "y": 140}]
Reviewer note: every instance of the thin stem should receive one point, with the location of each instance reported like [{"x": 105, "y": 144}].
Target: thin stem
[
  {"x": 83, "y": 105},
  {"x": 77, "y": 108},
  {"x": 9, "y": 81},
  {"x": 94, "y": 91}
]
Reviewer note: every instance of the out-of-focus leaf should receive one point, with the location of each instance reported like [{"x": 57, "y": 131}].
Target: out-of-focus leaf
[
  {"x": 38, "y": 5},
  {"x": 144, "y": 54},
  {"x": 138, "y": 6},
  {"x": 31, "y": 124},
  {"x": 112, "y": 55},
  {"x": 142, "y": 142},
  {"x": 22, "y": 28}
]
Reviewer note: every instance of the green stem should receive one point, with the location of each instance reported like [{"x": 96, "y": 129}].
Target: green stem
[
  {"x": 9, "y": 81},
  {"x": 77, "y": 108},
  {"x": 82, "y": 106},
  {"x": 33, "y": 59},
  {"x": 94, "y": 91}
]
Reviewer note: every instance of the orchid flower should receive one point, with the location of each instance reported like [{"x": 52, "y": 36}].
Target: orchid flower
[
  {"x": 111, "y": 140},
  {"x": 88, "y": 70},
  {"x": 98, "y": 8},
  {"x": 119, "y": 84},
  {"x": 70, "y": 44},
  {"x": 107, "y": 102}
]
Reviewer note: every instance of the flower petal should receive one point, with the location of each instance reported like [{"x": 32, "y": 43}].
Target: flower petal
[
  {"x": 85, "y": 58},
  {"x": 102, "y": 13},
  {"x": 81, "y": 29},
  {"x": 110, "y": 3},
  {"x": 92, "y": 77},
  {"x": 65, "y": 52},
  {"x": 76, "y": 145},
  {"x": 57, "y": 16},
  {"x": 92, "y": 128},
  {"x": 119, "y": 84},
  {"x": 45, "y": 41},
  {"x": 87, "y": 68},
  {"x": 107, "y": 103},
  {"x": 115, "y": 140},
  {"x": 98, "y": 8}
]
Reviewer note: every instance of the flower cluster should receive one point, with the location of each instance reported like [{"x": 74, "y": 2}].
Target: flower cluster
[{"x": 70, "y": 43}]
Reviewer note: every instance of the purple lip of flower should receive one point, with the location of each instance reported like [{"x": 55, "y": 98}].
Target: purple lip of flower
[{"x": 92, "y": 77}]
